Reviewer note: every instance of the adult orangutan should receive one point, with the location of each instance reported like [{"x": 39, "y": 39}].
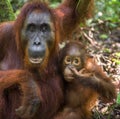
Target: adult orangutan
[
  {"x": 85, "y": 81},
  {"x": 30, "y": 43}
]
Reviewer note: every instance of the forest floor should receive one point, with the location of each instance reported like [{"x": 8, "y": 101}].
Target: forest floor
[{"x": 104, "y": 44}]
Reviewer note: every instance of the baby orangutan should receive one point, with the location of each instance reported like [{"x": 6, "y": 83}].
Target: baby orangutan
[{"x": 85, "y": 81}]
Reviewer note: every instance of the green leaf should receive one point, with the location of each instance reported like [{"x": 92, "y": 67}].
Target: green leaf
[
  {"x": 118, "y": 98},
  {"x": 117, "y": 54},
  {"x": 103, "y": 36},
  {"x": 55, "y": 4},
  {"x": 117, "y": 61},
  {"x": 107, "y": 50}
]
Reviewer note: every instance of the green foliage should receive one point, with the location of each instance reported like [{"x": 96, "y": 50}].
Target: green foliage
[
  {"x": 108, "y": 10},
  {"x": 116, "y": 58},
  {"x": 107, "y": 50},
  {"x": 6, "y": 11},
  {"x": 16, "y": 4},
  {"x": 117, "y": 54},
  {"x": 117, "y": 61},
  {"x": 118, "y": 98},
  {"x": 54, "y": 4},
  {"x": 103, "y": 36}
]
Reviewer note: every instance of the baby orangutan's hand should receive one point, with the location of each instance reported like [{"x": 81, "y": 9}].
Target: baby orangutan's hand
[{"x": 81, "y": 73}]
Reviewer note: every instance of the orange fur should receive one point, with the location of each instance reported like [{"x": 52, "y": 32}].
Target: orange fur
[
  {"x": 82, "y": 91},
  {"x": 45, "y": 78}
]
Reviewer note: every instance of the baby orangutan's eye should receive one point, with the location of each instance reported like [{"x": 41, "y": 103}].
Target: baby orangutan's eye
[
  {"x": 76, "y": 61},
  {"x": 67, "y": 60}
]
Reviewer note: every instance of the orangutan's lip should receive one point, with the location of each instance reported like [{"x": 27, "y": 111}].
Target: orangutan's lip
[
  {"x": 69, "y": 78},
  {"x": 36, "y": 60}
]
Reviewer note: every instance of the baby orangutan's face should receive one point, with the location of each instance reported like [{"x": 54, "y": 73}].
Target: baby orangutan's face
[{"x": 71, "y": 62}]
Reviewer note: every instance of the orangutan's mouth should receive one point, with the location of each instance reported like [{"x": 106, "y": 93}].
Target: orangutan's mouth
[{"x": 36, "y": 60}]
